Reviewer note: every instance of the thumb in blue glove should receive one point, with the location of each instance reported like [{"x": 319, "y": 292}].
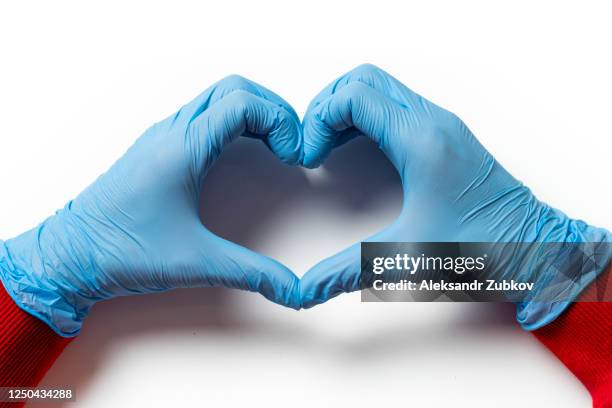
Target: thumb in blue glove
[{"x": 137, "y": 228}]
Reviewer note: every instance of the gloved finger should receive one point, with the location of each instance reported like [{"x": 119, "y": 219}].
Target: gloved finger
[
  {"x": 340, "y": 273},
  {"x": 233, "y": 266},
  {"x": 238, "y": 113},
  {"x": 375, "y": 78},
  {"x": 356, "y": 106},
  {"x": 224, "y": 87},
  {"x": 217, "y": 92}
]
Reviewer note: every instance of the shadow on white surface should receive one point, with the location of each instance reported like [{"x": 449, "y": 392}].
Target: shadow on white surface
[{"x": 249, "y": 187}]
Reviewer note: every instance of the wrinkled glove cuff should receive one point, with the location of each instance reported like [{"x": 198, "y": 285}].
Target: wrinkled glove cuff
[
  {"x": 564, "y": 276},
  {"x": 46, "y": 304}
]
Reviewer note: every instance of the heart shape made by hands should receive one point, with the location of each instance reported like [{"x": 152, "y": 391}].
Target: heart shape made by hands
[
  {"x": 296, "y": 215},
  {"x": 365, "y": 101},
  {"x": 116, "y": 239}
]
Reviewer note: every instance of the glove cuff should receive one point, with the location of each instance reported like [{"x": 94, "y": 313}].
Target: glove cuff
[
  {"x": 36, "y": 295},
  {"x": 580, "y": 255}
]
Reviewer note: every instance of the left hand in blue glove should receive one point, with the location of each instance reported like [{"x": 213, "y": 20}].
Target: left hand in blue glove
[
  {"x": 454, "y": 189},
  {"x": 137, "y": 228}
]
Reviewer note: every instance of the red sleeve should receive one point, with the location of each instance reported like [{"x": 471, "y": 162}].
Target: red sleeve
[
  {"x": 582, "y": 339},
  {"x": 28, "y": 347}
]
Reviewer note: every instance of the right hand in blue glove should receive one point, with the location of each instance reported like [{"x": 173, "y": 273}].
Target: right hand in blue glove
[
  {"x": 454, "y": 190},
  {"x": 137, "y": 228}
]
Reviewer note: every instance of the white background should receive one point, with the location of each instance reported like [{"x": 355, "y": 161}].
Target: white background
[{"x": 79, "y": 83}]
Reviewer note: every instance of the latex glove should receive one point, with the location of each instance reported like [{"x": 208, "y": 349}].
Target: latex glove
[
  {"x": 454, "y": 190},
  {"x": 137, "y": 228}
]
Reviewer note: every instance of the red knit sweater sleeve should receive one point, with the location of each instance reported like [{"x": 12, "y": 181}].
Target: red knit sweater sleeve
[
  {"x": 582, "y": 339},
  {"x": 28, "y": 347}
]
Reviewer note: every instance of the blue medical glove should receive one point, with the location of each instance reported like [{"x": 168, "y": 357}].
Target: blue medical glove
[
  {"x": 137, "y": 228},
  {"x": 454, "y": 189}
]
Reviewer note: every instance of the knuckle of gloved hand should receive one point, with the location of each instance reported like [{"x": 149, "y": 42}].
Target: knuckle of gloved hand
[
  {"x": 319, "y": 123},
  {"x": 240, "y": 100},
  {"x": 352, "y": 93},
  {"x": 234, "y": 82},
  {"x": 366, "y": 72},
  {"x": 283, "y": 123},
  {"x": 369, "y": 74}
]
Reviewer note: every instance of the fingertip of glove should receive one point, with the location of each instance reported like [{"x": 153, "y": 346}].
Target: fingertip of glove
[
  {"x": 310, "y": 164},
  {"x": 311, "y": 157},
  {"x": 286, "y": 140},
  {"x": 293, "y": 298}
]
